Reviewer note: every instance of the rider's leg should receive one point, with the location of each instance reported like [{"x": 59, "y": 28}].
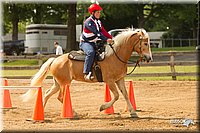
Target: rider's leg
[{"x": 88, "y": 48}]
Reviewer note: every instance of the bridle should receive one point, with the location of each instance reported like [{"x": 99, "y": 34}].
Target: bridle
[{"x": 137, "y": 62}]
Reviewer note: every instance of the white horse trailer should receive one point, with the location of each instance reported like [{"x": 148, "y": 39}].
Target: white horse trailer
[{"x": 40, "y": 37}]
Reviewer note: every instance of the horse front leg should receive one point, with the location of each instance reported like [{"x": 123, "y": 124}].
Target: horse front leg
[
  {"x": 121, "y": 85},
  {"x": 113, "y": 89}
]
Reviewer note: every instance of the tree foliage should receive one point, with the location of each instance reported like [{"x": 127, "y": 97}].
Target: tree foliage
[
  {"x": 178, "y": 19},
  {"x": 13, "y": 14}
]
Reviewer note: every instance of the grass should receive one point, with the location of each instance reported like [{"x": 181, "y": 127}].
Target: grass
[
  {"x": 166, "y": 78},
  {"x": 20, "y": 63},
  {"x": 155, "y": 69},
  {"x": 173, "y": 49},
  {"x": 19, "y": 72},
  {"x": 164, "y": 69}
]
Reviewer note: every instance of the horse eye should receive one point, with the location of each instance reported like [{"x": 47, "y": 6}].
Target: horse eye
[{"x": 146, "y": 44}]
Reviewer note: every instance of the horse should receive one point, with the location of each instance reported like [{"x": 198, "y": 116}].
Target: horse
[{"x": 113, "y": 67}]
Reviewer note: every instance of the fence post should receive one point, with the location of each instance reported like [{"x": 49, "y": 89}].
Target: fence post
[
  {"x": 172, "y": 64},
  {"x": 163, "y": 43},
  {"x": 189, "y": 43},
  {"x": 40, "y": 61},
  {"x": 181, "y": 43}
]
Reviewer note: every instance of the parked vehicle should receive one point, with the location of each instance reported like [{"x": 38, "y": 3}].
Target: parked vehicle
[
  {"x": 155, "y": 37},
  {"x": 114, "y": 32},
  {"x": 40, "y": 38},
  {"x": 13, "y": 47}
]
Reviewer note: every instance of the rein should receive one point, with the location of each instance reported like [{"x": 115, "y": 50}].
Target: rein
[{"x": 137, "y": 62}]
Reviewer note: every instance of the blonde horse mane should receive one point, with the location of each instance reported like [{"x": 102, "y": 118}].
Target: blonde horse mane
[{"x": 122, "y": 38}]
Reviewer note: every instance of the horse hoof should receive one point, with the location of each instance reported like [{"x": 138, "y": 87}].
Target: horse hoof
[
  {"x": 101, "y": 108},
  {"x": 134, "y": 115}
]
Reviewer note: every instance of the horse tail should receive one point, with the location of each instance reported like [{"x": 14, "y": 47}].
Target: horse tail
[{"x": 37, "y": 80}]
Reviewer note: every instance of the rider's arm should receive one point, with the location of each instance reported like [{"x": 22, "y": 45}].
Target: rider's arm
[{"x": 105, "y": 33}]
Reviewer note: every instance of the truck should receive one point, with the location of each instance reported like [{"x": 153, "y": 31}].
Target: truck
[
  {"x": 40, "y": 38},
  {"x": 13, "y": 47}
]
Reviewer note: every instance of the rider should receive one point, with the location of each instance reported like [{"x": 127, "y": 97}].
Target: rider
[{"x": 92, "y": 31}]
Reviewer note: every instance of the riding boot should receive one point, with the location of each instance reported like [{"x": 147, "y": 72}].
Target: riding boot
[{"x": 89, "y": 77}]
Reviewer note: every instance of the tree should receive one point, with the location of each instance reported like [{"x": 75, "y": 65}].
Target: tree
[
  {"x": 71, "y": 28},
  {"x": 148, "y": 11},
  {"x": 13, "y": 14},
  {"x": 178, "y": 20},
  {"x": 119, "y": 16},
  {"x": 48, "y": 13},
  {"x": 136, "y": 15}
]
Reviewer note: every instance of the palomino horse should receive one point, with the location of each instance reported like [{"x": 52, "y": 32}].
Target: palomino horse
[{"x": 113, "y": 67}]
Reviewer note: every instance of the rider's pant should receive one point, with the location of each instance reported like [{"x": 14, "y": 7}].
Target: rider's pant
[{"x": 88, "y": 48}]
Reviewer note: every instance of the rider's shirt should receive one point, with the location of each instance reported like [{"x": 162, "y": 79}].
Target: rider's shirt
[{"x": 93, "y": 30}]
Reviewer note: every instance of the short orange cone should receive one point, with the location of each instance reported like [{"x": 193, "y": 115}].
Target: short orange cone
[
  {"x": 67, "y": 105},
  {"x": 131, "y": 95},
  {"x": 38, "y": 114},
  {"x": 107, "y": 99},
  {"x": 7, "y": 104}
]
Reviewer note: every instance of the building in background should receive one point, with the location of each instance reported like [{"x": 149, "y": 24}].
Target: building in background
[{"x": 156, "y": 39}]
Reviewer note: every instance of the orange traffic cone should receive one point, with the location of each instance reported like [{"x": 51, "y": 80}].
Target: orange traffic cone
[
  {"x": 131, "y": 96},
  {"x": 38, "y": 114},
  {"x": 107, "y": 99},
  {"x": 7, "y": 104},
  {"x": 67, "y": 105}
]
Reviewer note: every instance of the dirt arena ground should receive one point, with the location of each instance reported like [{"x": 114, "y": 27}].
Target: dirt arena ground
[{"x": 159, "y": 104}]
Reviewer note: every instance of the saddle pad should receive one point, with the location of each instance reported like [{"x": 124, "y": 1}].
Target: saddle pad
[{"x": 77, "y": 55}]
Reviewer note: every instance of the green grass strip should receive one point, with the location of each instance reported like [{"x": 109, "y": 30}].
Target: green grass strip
[{"x": 154, "y": 69}]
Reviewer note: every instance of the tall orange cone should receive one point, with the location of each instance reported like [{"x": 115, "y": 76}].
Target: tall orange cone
[
  {"x": 131, "y": 95},
  {"x": 67, "y": 105},
  {"x": 7, "y": 104},
  {"x": 107, "y": 99},
  {"x": 38, "y": 114}
]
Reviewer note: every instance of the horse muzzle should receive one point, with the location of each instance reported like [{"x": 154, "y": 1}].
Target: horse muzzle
[{"x": 147, "y": 58}]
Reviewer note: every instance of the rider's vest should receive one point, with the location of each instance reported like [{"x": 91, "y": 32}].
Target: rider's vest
[{"x": 87, "y": 35}]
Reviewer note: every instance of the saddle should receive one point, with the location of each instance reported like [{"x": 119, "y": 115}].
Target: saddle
[
  {"x": 99, "y": 56},
  {"x": 80, "y": 55}
]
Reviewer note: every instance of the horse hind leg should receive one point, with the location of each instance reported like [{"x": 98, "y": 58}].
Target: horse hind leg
[
  {"x": 113, "y": 89},
  {"x": 121, "y": 85},
  {"x": 55, "y": 88}
]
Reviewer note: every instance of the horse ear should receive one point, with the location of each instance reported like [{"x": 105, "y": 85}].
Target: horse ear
[{"x": 143, "y": 33}]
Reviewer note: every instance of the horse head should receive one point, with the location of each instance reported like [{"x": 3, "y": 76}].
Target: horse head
[{"x": 142, "y": 44}]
